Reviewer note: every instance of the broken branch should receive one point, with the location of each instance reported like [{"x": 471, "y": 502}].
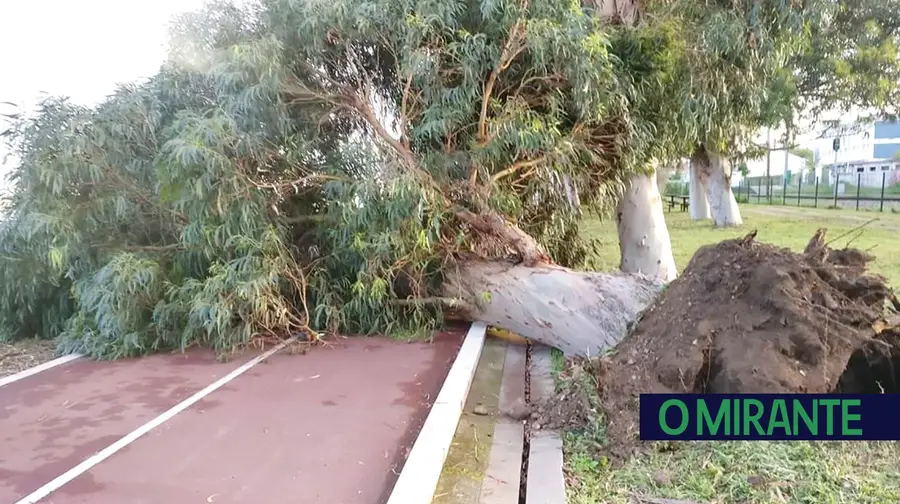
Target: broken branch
[{"x": 515, "y": 167}]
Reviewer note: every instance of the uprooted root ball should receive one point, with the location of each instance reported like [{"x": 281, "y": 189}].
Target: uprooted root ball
[{"x": 748, "y": 317}]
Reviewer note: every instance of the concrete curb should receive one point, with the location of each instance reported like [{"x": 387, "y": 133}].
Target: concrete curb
[
  {"x": 504, "y": 470},
  {"x": 6, "y": 380},
  {"x": 422, "y": 469},
  {"x": 546, "y": 482}
]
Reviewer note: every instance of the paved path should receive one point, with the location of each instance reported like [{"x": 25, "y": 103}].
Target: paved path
[{"x": 329, "y": 427}]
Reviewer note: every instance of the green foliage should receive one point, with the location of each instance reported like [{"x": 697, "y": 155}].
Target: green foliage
[
  {"x": 808, "y": 155},
  {"x": 849, "y": 56},
  {"x": 306, "y": 165}
]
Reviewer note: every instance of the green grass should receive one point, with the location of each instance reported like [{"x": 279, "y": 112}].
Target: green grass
[
  {"x": 784, "y": 226},
  {"x": 747, "y": 472},
  {"x": 741, "y": 472}
]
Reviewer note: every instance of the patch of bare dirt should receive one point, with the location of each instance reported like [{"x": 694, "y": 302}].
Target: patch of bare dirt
[
  {"x": 573, "y": 406},
  {"x": 21, "y": 355},
  {"x": 749, "y": 317}
]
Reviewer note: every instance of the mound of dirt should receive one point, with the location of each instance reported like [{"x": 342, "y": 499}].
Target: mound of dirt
[{"x": 748, "y": 317}]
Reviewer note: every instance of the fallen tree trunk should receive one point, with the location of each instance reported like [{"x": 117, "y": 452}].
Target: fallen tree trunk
[
  {"x": 580, "y": 313},
  {"x": 644, "y": 243}
]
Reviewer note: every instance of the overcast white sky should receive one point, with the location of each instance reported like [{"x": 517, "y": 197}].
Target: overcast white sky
[{"x": 80, "y": 48}]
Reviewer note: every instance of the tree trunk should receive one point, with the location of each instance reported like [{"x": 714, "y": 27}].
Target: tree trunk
[
  {"x": 580, "y": 313},
  {"x": 494, "y": 224},
  {"x": 644, "y": 242},
  {"x": 663, "y": 172},
  {"x": 722, "y": 204},
  {"x": 698, "y": 206}
]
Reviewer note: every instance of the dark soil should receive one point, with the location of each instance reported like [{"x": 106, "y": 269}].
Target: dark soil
[
  {"x": 573, "y": 407},
  {"x": 748, "y": 317}
]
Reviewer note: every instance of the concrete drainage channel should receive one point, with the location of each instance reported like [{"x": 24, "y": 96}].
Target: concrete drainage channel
[
  {"x": 545, "y": 482},
  {"x": 526, "y": 461},
  {"x": 492, "y": 452}
]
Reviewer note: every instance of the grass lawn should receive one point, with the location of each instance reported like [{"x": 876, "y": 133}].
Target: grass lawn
[
  {"x": 748, "y": 472},
  {"x": 786, "y": 226}
]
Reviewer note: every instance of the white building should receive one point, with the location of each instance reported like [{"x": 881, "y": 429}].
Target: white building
[
  {"x": 872, "y": 173},
  {"x": 867, "y": 151},
  {"x": 867, "y": 155}
]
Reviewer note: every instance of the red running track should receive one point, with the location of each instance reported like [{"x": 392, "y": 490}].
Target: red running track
[{"x": 329, "y": 427}]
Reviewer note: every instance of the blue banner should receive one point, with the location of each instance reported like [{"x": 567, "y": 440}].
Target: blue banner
[{"x": 770, "y": 417}]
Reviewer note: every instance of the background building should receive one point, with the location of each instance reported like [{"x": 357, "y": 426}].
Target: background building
[
  {"x": 870, "y": 155},
  {"x": 887, "y": 140}
]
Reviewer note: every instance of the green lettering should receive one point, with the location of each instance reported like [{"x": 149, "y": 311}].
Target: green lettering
[
  {"x": 684, "y": 417},
  {"x": 847, "y": 417},
  {"x": 812, "y": 423},
  {"x": 752, "y": 418},
  {"x": 829, "y": 415},
  {"x": 779, "y": 409},
  {"x": 737, "y": 418},
  {"x": 704, "y": 418}
]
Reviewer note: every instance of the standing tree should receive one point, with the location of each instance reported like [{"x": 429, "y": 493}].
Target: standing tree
[{"x": 795, "y": 59}]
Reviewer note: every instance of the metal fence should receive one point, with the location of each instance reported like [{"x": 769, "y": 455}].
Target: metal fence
[{"x": 814, "y": 194}]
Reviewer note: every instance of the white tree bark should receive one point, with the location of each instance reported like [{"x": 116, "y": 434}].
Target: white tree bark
[
  {"x": 722, "y": 203},
  {"x": 663, "y": 172},
  {"x": 580, "y": 313},
  {"x": 626, "y": 11},
  {"x": 644, "y": 243},
  {"x": 698, "y": 206}
]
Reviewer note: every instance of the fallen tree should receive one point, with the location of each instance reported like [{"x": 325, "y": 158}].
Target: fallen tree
[
  {"x": 362, "y": 166},
  {"x": 578, "y": 312},
  {"x": 336, "y": 177}
]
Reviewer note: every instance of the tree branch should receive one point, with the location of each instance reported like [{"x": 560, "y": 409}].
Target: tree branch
[
  {"x": 303, "y": 219},
  {"x": 404, "y": 118},
  {"x": 491, "y": 223},
  {"x": 297, "y": 183},
  {"x": 359, "y": 102},
  {"x": 515, "y": 167},
  {"x": 139, "y": 248},
  {"x": 511, "y": 49},
  {"x": 448, "y": 302}
]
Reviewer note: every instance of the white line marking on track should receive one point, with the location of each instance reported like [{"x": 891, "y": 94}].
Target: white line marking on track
[
  {"x": 420, "y": 474},
  {"x": 132, "y": 436},
  {"x": 6, "y": 380}
]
